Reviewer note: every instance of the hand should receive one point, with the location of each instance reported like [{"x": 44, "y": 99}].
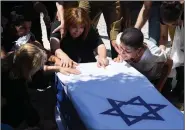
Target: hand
[
  {"x": 68, "y": 71},
  {"x": 118, "y": 59},
  {"x": 116, "y": 47},
  {"x": 68, "y": 63},
  {"x": 60, "y": 28},
  {"x": 162, "y": 47},
  {"x": 58, "y": 62},
  {"x": 102, "y": 62}
]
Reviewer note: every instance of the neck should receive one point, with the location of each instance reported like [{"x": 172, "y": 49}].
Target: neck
[{"x": 138, "y": 58}]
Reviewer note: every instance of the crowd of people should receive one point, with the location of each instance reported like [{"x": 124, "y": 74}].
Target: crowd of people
[{"x": 28, "y": 98}]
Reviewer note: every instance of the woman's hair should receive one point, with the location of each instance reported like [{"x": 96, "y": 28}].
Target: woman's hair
[
  {"x": 170, "y": 11},
  {"x": 19, "y": 15},
  {"x": 75, "y": 16},
  {"x": 27, "y": 60},
  {"x": 132, "y": 37}
]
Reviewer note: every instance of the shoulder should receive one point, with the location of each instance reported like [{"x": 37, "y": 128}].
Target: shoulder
[{"x": 93, "y": 32}]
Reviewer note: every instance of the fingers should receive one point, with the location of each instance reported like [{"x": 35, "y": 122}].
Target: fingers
[
  {"x": 57, "y": 29},
  {"x": 98, "y": 64},
  {"x": 115, "y": 59},
  {"x": 70, "y": 64},
  {"x": 68, "y": 71},
  {"x": 101, "y": 63},
  {"x": 74, "y": 71},
  {"x": 75, "y": 64},
  {"x": 118, "y": 59},
  {"x": 64, "y": 72}
]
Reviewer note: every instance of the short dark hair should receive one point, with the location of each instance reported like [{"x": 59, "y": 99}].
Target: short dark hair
[
  {"x": 132, "y": 37},
  {"x": 170, "y": 11},
  {"x": 19, "y": 15}
]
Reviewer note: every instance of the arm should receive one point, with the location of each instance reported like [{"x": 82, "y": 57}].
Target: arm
[
  {"x": 55, "y": 47},
  {"x": 55, "y": 41},
  {"x": 158, "y": 54},
  {"x": 163, "y": 36},
  {"x": 60, "y": 10},
  {"x": 143, "y": 14},
  {"x": 60, "y": 14},
  {"x": 65, "y": 60},
  {"x": 102, "y": 52},
  {"x": 102, "y": 56},
  {"x": 51, "y": 68},
  {"x": 65, "y": 71}
]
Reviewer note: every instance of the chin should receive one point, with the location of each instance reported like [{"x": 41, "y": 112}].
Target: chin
[{"x": 75, "y": 37}]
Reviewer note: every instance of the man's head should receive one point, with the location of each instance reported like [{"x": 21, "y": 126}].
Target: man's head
[
  {"x": 21, "y": 20},
  {"x": 170, "y": 12},
  {"x": 131, "y": 43}
]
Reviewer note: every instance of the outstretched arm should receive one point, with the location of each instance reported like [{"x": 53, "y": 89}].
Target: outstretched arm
[{"x": 143, "y": 14}]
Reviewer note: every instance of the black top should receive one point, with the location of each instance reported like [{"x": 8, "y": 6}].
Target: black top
[
  {"x": 17, "y": 107},
  {"x": 79, "y": 50}
]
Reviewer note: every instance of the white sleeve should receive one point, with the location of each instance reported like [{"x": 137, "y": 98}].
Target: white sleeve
[{"x": 159, "y": 55}]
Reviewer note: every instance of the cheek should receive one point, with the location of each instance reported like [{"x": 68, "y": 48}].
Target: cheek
[
  {"x": 20, "y": 32},
  {"x": 81, "y": 30},
  {"x": 72, "y": 31}
]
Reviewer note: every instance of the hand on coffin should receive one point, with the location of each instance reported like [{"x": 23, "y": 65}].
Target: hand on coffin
[
  {"x": 102, "y": 62},
  {"x": 68, "y": 71}
]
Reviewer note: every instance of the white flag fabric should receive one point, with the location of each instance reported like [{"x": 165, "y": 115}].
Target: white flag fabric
[{"x": 119, "y": 97}]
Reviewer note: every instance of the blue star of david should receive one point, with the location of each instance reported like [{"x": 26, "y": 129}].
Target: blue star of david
[{"x": 150, "y": 115}]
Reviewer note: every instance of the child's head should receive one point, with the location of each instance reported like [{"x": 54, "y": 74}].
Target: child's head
[
  {"x": 170, "y": 12},
  {"x": 28, "y": 59},
  {"x": 77, "y": 22},
  {"x": 131, "y": 43},
  {"x": 21, "y": 20}
]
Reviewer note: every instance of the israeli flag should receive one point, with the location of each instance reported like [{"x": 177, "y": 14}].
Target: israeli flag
[{"x": 119, "y": 97}]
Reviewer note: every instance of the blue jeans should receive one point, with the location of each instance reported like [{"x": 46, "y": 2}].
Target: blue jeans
[{"x": 6, "y": 127}]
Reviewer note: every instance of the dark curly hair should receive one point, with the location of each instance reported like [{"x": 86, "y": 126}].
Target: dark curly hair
[{"x": 170, "y": 11}]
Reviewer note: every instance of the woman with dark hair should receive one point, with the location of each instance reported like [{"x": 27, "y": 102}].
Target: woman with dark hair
[{"x": 80, "y": 40}]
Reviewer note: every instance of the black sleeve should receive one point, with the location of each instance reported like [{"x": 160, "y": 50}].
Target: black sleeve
[
  {"x": 54, "y": 25},
  {"x": 7, "y": 43},
  {"x": 94, "y": 38},
  {"x": 32, "y": 37}
]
